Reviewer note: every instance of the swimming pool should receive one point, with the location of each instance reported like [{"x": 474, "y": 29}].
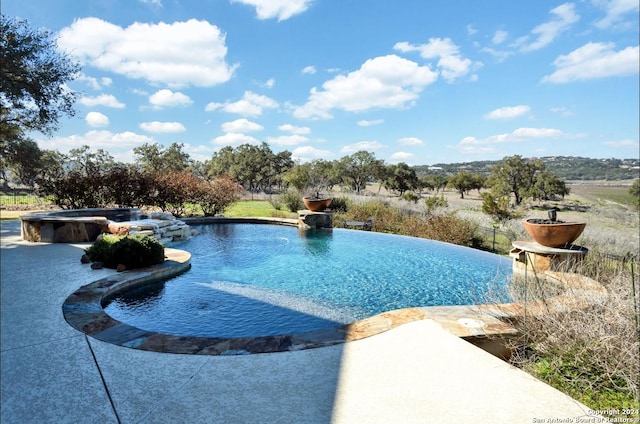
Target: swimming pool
[{"x": 251, "y": 280}]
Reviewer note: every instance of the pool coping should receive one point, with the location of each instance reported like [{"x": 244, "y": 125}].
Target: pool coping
[{"x": 83, "y": 310}]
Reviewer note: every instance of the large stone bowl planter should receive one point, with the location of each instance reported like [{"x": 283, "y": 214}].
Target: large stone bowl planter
[
  {"x": 316, "y": 205},
  {"x": 553, "y": 233}
]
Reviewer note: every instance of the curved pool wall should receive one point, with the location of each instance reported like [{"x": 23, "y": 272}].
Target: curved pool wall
[{"x": 479, "y": 324}]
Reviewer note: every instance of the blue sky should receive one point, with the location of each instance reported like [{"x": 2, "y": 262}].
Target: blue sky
[{"x": 413, "y": 81}]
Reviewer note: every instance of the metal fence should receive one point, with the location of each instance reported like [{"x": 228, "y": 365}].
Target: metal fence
[
  {"x": 13, "y": 198},
  {"x": 497, "y": 240},
  {"x": 617, "y": 262}
]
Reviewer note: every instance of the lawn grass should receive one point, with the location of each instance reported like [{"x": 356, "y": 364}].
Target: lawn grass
[
  {"x": 10, "y": 215},
  {"x": 250, "y": 208}
]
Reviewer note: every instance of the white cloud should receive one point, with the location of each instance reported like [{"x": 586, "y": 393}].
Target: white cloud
[
  {"x": 450, "y": 63},
  {"x": 520, "y": 135},
  {"x": 97, "y": 120},
  {"x": 309, "y": 153},
  {"x": 362, "y": 145},
  {"x": 234, "y": 139},
  {"x": 499, "y": 37},
  {"x": 309, "y": 70},
  {"x": 119, "y": 145},
  {"x": 252, "y": 104},
  {"x": 563, "y": 17},
  {"x": 401, "y": 157},
  {"x": 410, "y": 141},
  {"x": 94, "y": 83},
  {"x": 368, "y": 123},
  {"x": 294, "y": 130},
  {"x": 616, "y": 10},
  {"x": 139, "y": 92},
  {"x": 382, "y": 82},
  {"x": 500, "y": 55},
  {"x": 288, "y": 140},
  {"x": 178, "y": 54},
  {"x": 595, "y": 60},
  {"x": 156, "y": 3},
  {"x": 623, "y": 144},
  {"x": 563, "y": 111},
  {"x": 241, "y": 126},
  {"x": 167, "y": 98},
  {"x": 200, "y": 152},
  {"x": 471, "y": 30},
  {"x": 270, "y": 83},
  {"x": 281, "y": 9},
  {"x": 106, "y": 100},
  {"x": 162, "y": 127},
  {"x": 508, "y": 112}
]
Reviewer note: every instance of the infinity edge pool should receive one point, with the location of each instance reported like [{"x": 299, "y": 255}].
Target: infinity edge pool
[{"x": 83, "y": 310}]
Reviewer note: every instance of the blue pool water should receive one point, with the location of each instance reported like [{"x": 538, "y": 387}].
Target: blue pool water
[{"x": 250, "y": 280}]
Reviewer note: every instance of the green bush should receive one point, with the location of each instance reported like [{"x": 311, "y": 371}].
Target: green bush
[
  {"x": 132, "y": 251},
  {"x": 276, "y": 202},
  {"x": 340, "y": 204},
  {"x": 410, "y": 196},
  {"x": 292, "y": 199},
  {"x": 434, "y": 202}
]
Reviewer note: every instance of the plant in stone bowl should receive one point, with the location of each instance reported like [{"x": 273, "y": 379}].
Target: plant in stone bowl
[
  {"x": 553, "y": 232},
  {"x": 316, "y": 202}
]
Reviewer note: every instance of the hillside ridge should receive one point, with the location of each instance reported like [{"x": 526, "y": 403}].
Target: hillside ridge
[{"x": 565, "y": 167}]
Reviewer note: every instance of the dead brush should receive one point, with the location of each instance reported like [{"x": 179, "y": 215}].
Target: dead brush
[{"x": 592, "y": 354}]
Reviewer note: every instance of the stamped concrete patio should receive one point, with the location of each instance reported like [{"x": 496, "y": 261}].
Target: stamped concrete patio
[{"x": 416, "y": 373}]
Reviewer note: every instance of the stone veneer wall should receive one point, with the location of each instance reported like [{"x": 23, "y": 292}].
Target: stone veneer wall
[{"x": 85, "y": 225}]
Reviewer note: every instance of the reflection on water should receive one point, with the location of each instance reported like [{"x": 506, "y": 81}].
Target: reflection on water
[
  {"x": 146, "y": 295},
  {"x": 316, "y": 241},
  {"x": 219, "y": 309}
]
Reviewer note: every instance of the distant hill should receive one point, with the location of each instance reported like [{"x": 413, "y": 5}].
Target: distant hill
[{"x": 565, "y": 167}]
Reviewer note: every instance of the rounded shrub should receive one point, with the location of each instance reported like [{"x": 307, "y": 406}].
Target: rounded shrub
[
  {"x": 340, "y": 204},
  {"x": 132, "y": 251},
  {"x": 292, "y": 199}
]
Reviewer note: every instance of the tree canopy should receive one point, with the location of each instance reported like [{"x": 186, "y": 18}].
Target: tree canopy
[
  {"x": 400, "y": 177},
  {"x": 155, "y": 158},
  {"x": 33, "y": 96},
  {"x": 525, "y": 178},
  {"x": 254, "y": 167},
  {"x": 514, "y": 175},
  {"x": 359, "y": 168},
  {"x": 33, "y": 92},
  {"x": 465, "y": 181}
]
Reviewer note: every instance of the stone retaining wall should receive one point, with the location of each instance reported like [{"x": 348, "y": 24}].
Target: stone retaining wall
[{"x": 85, "y": 225}]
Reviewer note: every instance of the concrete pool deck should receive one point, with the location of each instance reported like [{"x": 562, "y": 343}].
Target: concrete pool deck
[{"x": 416, "y": 373}]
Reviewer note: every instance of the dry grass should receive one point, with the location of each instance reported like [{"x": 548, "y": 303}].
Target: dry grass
[
  {"x": 592, "y": 354},
  {"x": 612, "y": 227}
]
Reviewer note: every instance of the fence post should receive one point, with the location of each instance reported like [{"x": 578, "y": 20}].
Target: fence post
[{"x": 494, "y": 240}]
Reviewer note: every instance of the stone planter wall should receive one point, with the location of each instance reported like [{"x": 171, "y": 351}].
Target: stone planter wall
[{"x": 85, "y": 225}]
